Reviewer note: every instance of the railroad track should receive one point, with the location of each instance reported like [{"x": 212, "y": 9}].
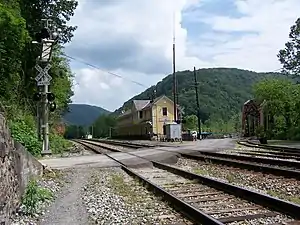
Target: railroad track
[
  {"x": 276, "y": 150},
  {"x": 269, "y": 154},
  {"x": 127, "y": 144},
  {"x": 208, "y": 201},
  {"x": 290, "y": 169},
  {"x": 97, "y": 147}
]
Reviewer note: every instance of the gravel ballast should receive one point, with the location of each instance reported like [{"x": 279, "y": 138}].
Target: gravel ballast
[
  {"x": 215, "y": 202},
  {"x": 112, "y": 197},
  {"x": 260, "y": 153},
  {"x": 281, "y": 187}
]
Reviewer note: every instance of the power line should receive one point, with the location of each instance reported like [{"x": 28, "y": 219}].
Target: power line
[
  {"x": 119, "y": 76},
  {"x": 276, "y": 70},
  {"x": 96, "y": 67}
]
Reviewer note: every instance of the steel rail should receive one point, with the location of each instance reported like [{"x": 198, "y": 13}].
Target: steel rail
[
  {"x": 279, "y": 155},
  {"x": 86, "y": 144},
  {"x": 182, "y": 207},
  {"x": 271, "y": 147},
  {"x": 186, "y": 209},
  {"x": 123, "y": 144},
  {"x": 276, "y": 204},
  {"x": 198, "y": 216},
  {"x": 126, "y": 144},
  {"x": 213, "y": 157},
  {"x": 277, "y": 162},
  {"x": 247, "y": 165}
]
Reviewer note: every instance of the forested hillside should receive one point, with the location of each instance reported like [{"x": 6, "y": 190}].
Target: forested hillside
[
  {"x": 222, "y": 91},
  {"x": 82, "y": 115},
  {"x": 20, "y": 20}
]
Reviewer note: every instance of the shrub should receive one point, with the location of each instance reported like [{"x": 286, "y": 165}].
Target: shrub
[
  {"x": 58, "y": 144},
  {"x": 23, "y": 131},
  {"x": 33, "y": 196}
]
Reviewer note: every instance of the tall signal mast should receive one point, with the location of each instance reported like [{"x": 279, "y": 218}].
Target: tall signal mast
[{"x": 174, "y": 73}]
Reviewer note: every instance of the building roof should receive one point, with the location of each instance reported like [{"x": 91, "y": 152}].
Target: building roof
[
  {"x": 140, "y": 104},
  {"x": 156, "y": 100},
  {"x": 143, "y": 104}
]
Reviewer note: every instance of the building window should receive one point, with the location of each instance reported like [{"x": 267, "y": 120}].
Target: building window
[
  {"x": 140, "y": 114},
  {"x": 165, "y": 111}
]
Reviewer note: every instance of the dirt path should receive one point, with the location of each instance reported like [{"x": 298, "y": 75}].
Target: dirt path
[{"x": 68, "y": 208}]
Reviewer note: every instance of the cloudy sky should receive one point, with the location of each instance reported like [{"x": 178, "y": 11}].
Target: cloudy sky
[{"x": 133, "y": 38}]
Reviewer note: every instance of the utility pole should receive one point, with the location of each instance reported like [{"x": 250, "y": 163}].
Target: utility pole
[
  {"x": 47, "y": 39},
  {"x": 174, "y": 74},
  {"x": 38, "y": 120},
  {"x": 198, "y": 105},
  {"x": 110, "y": 132},
  {"x": 154, "y": 93}
]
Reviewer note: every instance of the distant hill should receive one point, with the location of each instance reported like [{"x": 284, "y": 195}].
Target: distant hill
[
  {"x": 222, "y": 91},
  {"x": 81, "y": 114}
]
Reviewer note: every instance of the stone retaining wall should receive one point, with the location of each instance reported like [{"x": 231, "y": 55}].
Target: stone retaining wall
[{"x": 17, "y": 166}]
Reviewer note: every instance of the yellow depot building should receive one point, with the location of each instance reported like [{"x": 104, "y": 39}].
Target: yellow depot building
[{"x": 145, "y": 119}]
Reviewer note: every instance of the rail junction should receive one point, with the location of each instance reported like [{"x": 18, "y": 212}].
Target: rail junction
[{"x": 201, "y": 199}]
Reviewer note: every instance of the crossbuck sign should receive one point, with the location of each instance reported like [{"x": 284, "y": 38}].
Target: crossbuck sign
[{"x": 43, "y": 78}]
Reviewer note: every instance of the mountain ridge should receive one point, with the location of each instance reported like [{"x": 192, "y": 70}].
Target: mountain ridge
[
  {"x": 83, "y": 114},
  {"x": 222, "y": 91}
]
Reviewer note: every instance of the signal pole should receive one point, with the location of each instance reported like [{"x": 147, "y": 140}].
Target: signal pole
[
  {"x": 47, "y": 38},
  {"x": 198, "y": 105},
  {"x": 110, "y": 132},
  {"x": 174, "y": 74}
]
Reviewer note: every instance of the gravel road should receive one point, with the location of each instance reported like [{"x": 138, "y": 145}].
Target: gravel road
[
  {"x": 68, "y": 207},
  {"x": 89, "y": 196},
  {"x": 52, "y": 181}
]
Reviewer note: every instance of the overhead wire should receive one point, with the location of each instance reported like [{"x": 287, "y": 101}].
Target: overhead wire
[
  {"x": 111, "y": 73},
  {"x": 120, "y": 76}
]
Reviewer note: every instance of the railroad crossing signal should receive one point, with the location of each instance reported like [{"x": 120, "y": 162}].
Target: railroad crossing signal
[{"x": 43, "y": 78}]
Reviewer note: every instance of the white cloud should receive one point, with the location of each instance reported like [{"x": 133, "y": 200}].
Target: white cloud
[
  {"x": 134, "y": 39},
  {"x": 147, "y": 23},
  {"x": 97, "y": 87},
  {"x": 268, "y": 21}
]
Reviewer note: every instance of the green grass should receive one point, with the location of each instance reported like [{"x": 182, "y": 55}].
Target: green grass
[
  {"x": 201, "y": 171},
  {"x": 58, "y": 144},
  {"x": 279, "y": 195},
  {"x": 122, "y": 188}
]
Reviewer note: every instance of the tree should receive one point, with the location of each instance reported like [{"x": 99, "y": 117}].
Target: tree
[
  {"x": 191, "y": 123},
  {"x": 61, "y": 83},
  {"x": 13, "y": 38},
  {"x": 222, "y": 91},
  {"x": 33, "y": 11},
  {"x": 73, "y": 132},
  {"x": 19, "y": 21},
  {"x": 236, "y": 123},
  {"x": 60, "y": 11},
  {"x": 281, "y": 95},
  {"x": 282, "y": 103},
  {"x": 289, "y": 57},
  {"x": 103, "y": 125}
]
